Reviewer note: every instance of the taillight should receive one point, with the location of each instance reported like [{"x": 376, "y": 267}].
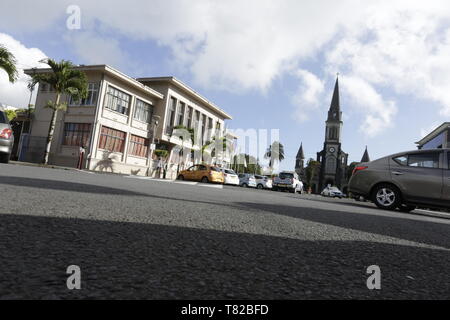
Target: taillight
[
  {"x": 359, "y": 168},
  {"x": 6, "y": 133}
]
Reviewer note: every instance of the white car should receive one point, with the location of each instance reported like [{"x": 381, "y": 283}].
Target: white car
[
  {"x": 230, "y": 177},
  {"x": 332, "y": 192},
  {"x": 263, "y": 182},
  {"x": 289, "y": 181}
]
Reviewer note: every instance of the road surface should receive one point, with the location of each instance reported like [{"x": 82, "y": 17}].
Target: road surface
[{"x": 136, "y": 238}]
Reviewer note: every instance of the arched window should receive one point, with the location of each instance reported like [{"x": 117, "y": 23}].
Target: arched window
[{"x": 331, "y": 165}]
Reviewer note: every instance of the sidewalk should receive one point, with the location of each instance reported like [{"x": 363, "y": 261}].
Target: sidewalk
[{"x": 29, "y": 164}]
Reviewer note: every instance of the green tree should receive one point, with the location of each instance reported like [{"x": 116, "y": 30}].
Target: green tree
[
  {"x": 275, "y": 153},
  {"x": 311, "y": 171},
  {"x": 64, "y": 79},
  {"x": 245, "y": 163},
  {"x": 8, "y": 63},
  {"x": 11, "y": 114}
]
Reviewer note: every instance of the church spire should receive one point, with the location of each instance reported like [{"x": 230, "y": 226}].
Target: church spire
[
  {"x": 335, "y": 108},
  {"x": 300, "y": 154},
  {"x": 365, "y": 157}
]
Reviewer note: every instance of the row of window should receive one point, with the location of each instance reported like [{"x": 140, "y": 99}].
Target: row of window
[
  {"x": 78, "y": 134},
  {"x": 119, "y": 101},
  {"x": 178, "y": 115},
  {"x": 115, "y": 100}
]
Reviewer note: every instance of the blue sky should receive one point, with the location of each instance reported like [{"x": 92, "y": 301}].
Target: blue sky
[{"x": 270, "y": 64}]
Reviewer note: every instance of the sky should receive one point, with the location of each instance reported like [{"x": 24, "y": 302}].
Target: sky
[{"x": 270, "y": 64}]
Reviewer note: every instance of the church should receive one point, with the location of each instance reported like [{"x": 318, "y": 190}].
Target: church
[{"x": 333, "y": 160}]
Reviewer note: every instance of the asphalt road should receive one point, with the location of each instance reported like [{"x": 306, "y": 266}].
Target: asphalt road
[{"x": 138, "y": 238}]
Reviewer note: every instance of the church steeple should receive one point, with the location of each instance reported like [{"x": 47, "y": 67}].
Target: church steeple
[
  {"x": 300, "y": 154},
  {"x": 366, "y": 157},
  {"x": 335, "y": 114},
  {"x": 300, "y": 162}
]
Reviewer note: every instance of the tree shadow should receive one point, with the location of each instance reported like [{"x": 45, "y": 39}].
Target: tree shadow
[
  {"x": 146, "y": 261},
  {"x": 106, "y": 163}
]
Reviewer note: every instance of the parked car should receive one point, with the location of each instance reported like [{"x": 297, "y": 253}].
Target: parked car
[
  {"x": 6, "y": 138},
  {"x": 332, "y": 192},
  {"x": 289, "y": 181},
  {"x": 263, "y": 182},
  {"x": 203, "y": 173},
  {"x": 405, "y": 180},
  {"x": 247, "y": 180},
  {"x": 230, "y": 177}
]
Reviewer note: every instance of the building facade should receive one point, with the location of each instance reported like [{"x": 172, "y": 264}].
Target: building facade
[
  {"x": 118, "y": 121},
  {"x": 438, "y": 138}
]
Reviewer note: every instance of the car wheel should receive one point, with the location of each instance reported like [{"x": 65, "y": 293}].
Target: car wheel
[
  {"x": 4, "y": 158},
  {"x": 260, "y": 186},
  {"x": 244, "y": 185},
  {"x": 386, "y": 196},
  {"x": 405, "y": 208},
  {"x": 205, "y": 180},
  {"x": 180, "y": 177}
]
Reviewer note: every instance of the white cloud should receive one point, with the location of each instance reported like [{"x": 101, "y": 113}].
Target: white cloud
[
  {"x": 395, "y": 46},
  {"x": 17, "y": 95},
  {"x": 308, "y": 95},
  {"x": 378, "y": 112},
  {"x": 93, "y": 49}
]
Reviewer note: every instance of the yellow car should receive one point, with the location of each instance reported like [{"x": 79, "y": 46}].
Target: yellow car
[{"x": 203, "y": 173}]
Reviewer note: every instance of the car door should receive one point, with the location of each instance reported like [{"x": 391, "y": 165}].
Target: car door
[
  {"x": 446, "y": 181},
  {"x": 189, "y": 173},
  {"x": 419, "y": 175},
  {"x": 202, "y": 171}
]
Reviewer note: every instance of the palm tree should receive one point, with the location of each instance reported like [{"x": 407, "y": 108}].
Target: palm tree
[
  {"x": 8, "y": 63},
  {"x": 275, "y": 153},
  {"x": 64, "y": 79}
]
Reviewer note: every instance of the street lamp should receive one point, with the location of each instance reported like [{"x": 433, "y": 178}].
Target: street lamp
[{"x": 154, "y": 124}]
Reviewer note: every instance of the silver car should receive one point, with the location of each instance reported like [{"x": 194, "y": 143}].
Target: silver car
[
  {"x": 405, "y": 180},
  {"x": 6, "y": 138}
]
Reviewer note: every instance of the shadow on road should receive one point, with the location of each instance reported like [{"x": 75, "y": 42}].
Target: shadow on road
[
  {"x": 128, "y": 260},
  {"x": 432, "y": 233}
]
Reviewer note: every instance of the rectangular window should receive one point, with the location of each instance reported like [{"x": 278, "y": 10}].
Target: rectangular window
[
  {"x": 189, "y": 117},
  {"x": 143, "y": 111},
  {"x": 181, "y": 109},
  {"x": 117, "y": 100},
  {"x": 90, "y": 100},
  {"x": 43, "y": 87},
  {"x": 203, "y": 131},
  {"x": 76, "y": 134},
  {"x": 171, "y": 115},
  {"x": 210, "y": 128},
  {"x": 424, "y": 160},
  {"x": 112, "y": 140},
  {"x": 138, "y": 146}
]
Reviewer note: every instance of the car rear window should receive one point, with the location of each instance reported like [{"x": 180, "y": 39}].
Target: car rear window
[
  {"x": 230, "y": 172},
  {"x": 216, "y": 169},
  {"x": 3, "y": 118},
  {"x": 286, "y": 175}
]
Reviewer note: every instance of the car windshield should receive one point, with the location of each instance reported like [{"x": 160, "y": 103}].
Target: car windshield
[
  {"x": 286, "y": 175},
  {"x": 230, "y": 172},
  {"x": 216, "y": 169},
  {"x": 3, "y": 118}
]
